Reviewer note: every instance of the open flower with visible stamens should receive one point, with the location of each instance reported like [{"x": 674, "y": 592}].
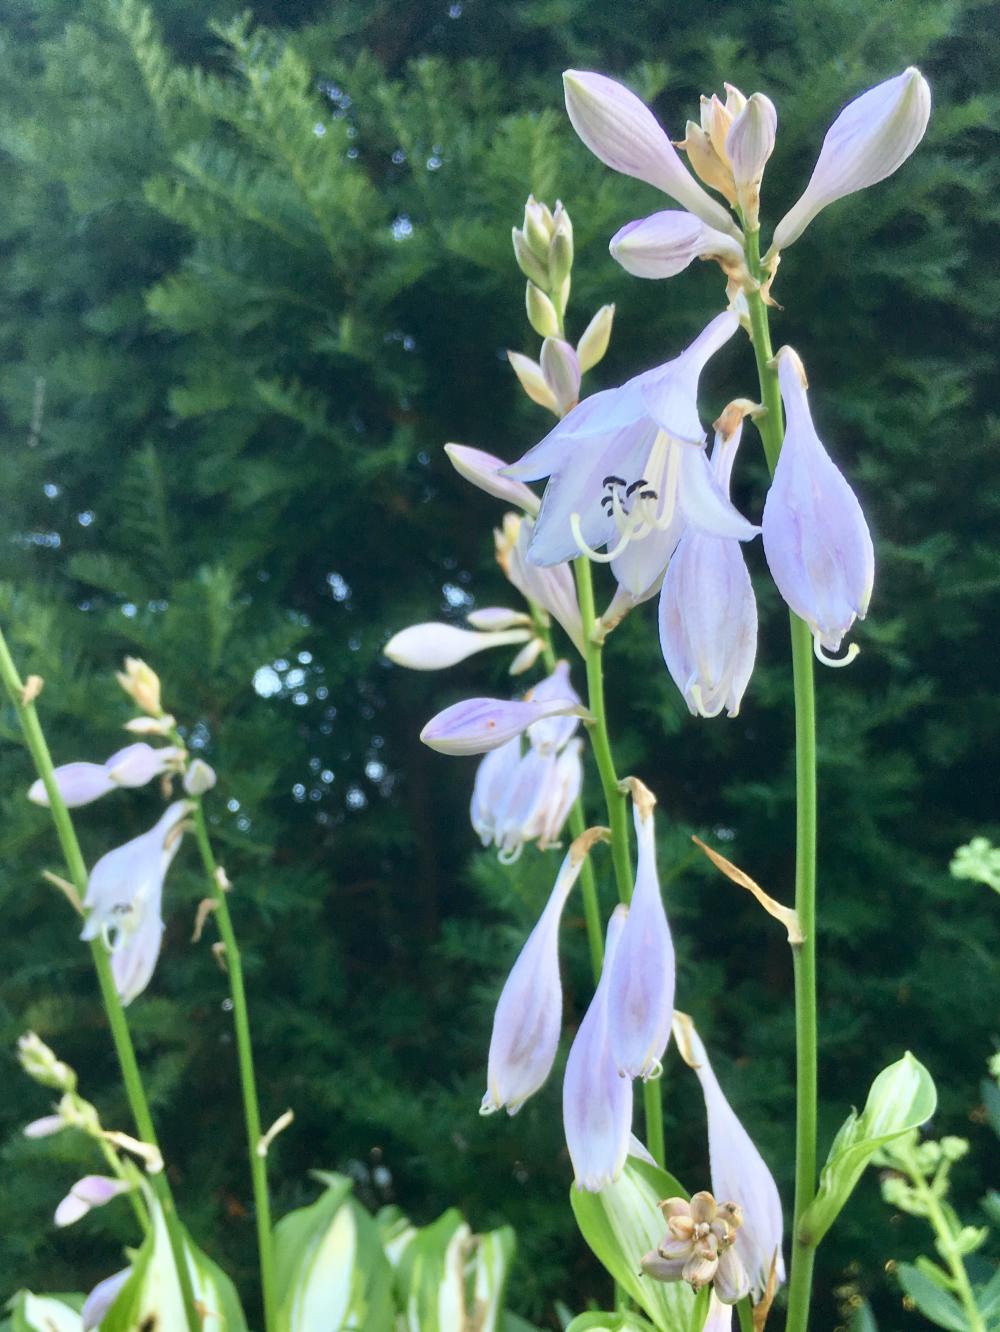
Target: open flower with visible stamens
[
  {"x": 124, "y": 895},
  {"x": 816, "y": 540},
  {"x": 699, "y": 1247},
  {"x": 627, "y": 470}
]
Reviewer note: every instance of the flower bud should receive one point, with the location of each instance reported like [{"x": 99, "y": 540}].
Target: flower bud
[
  {"x": 622, "y": 131},
  {"x": 483, "y": 470},
  {"x": 560, "y": 249},
  {"x": 816, "y": 539},
  {"x": 46, "y": 1127},
  {"x": 562, "y": 373},
  {"x": 496, "y": 618},
  {"x": 527, "y": 657},
  {"x": 87, "y": 1193},
  {"x": 641, "y": 988},
  {"x": 41, "y": 1064},
  {"x": 478, "y": 725},
  {"x": 199, "y": 778},
  {"x": 597, "y": 1101},
  {"x": 594, "y": 342},
  {"x": 538, "y": 227},
  {"x": 535, "y": 269},
  {"x": 869, "y": 140},
  {"x": 529, "y": 1014},
  {"x": 541, "y": 312},
  {"x": 142, "y": 685},
  {"x": 749, "y": 144},
  {"x": 533, "y": 381},
  {"x": 665, "y": 243},
  {"x": 434, "y": 647}
]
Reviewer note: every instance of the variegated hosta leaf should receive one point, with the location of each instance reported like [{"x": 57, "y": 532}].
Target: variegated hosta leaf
[
  {"x": 435, "y": 1298},
  {"x": 45, "y": 1313},
  {"x": 610, "y": 1322}
]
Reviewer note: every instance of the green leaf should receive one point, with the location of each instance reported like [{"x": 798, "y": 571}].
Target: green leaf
[
  {"x": 609, "y": 1322},
  {"x": 435, "y": 1265},
  {"x": 44, "y": 1313},
  {"x": 933, "y": 1302},
  {"x": 902, "y": 1097},
  {"x": 623, "y": 1222},
  {"x": 494, "y": 1255},
  {"x": 331, "y": 1268}
]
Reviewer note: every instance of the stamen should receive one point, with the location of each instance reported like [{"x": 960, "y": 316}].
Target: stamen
[
  {"x": 822, "y": 655},
  {"x": 613, "y": 481},
  {"x": 635, "y": 486},
  {"x": 597, "y": 556}
]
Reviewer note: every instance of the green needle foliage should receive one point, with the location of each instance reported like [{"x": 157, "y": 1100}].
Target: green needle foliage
[{"x": 255, "y": 271}]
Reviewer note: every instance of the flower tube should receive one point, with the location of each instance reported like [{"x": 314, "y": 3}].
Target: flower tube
[
  {"x": 529, "y": 1013},
  {"x": 597, "y": 1100}
]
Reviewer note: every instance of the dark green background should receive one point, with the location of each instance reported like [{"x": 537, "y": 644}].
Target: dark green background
[{"x": 219, "y": 345}]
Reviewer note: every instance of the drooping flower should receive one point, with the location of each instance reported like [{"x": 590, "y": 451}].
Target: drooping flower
[
  {"x": 435, "y": 646},
  {"x": 123, "y": 901},
  {"x": 816, "y": 540},
  {"x": 529, "y": 1013},
  {"x": 87, "y": 1193},
  {"x": 551, "y": 588},
  {"x": 708, "y": 612},
  {"x": 81, "y": 783},
  {"x": 621, "y": 130},
  {"x": 640, "y": 1001},
  {"x": 597, "y": 1100},
  {"x": 738, "y": 1170},
  {"x": 869, "y": 140},
  {"x": 627, "y": 470},
  {"x": 700, "y": 1247},
  {"x": 477, "y": 725}
]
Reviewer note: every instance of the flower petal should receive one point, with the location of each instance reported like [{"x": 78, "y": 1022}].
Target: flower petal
[
  {"x": 483, "y": 470},
  {"x": 664, "y": 244}
]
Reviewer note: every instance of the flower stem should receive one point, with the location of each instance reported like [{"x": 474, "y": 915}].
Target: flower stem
[
  {"x": 37, "y": 746},
  {"x": 248, "y": 1083},
  {"x": 804, "y": 954},
  {"x": 577, "y": 824}
]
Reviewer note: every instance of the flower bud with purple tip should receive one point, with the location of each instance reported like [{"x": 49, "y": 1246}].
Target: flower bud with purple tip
[
  {"x": 477, "y": 725},
  {"x": 816, "y": 540}
]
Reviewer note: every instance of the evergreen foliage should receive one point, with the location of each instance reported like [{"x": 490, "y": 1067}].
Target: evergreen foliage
[{"x": 256, "y": 271}]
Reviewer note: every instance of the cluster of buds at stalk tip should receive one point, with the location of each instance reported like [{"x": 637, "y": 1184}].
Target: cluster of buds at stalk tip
[
  {"x": 699, "y": 1246},
  {"x": 41, "y": 1065}
]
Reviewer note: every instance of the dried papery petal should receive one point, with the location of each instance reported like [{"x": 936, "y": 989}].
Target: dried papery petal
[
  {"x": 869, "y": 140},
  {"x": 483, "y": 470},
  {"x": 621, "y": 130}
]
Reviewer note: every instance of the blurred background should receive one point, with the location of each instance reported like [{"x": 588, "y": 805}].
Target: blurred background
[{"x": 254, "y": 272}]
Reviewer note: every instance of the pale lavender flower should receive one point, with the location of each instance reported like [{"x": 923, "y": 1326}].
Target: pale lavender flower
[
  {"x": 494, "y": 776},
  {"x": 561, "y": 369},
  {"x": 434, "y": 646},
  {"x": 123, "y": 901},
  {"x": 551, "y": 588},
  {"x": 869, "y": 140},
  {"x": 640, "y": 1001},
  {"x": 551, "y": 733},
  {"x": 45, "y": 1127},
  {"x": 708, "y": 612},
  {"x": 597, "y": 1100},
  {"x": 81, "y": 783},
  {"x": 738, "y": 1170},
  {"x": 477, "y": 725},
  {"x": 523, "y": 798},
  {"x": 520, "y": 813},
  {"x": 664, "y": 244},
  {"x": 98, "y": 1303},
  {"x": 749, "y": 145},
  {"x": 484, "y": 471},
  {"x": 627, "y": 469},
  {"x": 87, "y": 1193},
  {"x": 621, "y": 130},
  {"x": 816, "y": 539},
  {"x": 529, "y": 1013}
]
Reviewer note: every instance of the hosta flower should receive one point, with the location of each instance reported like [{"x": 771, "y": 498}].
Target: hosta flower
[
  {"x": 641, "y": 985},
  {"x": 434, "y": 646},
  {"x": 749, "y": 145},
  {"x": 699, "y": 1247},
  {"x": 869, "y": 140},
  {"x": 816, "y": 539},
  {"x": 484, "y": 471},
  {"x": 664, "y": 244},
  {"x": 597, "y": 1100},
  {"x": 738, "y": 1170},
  {"x": 81, "y": 783},
  {"x": 553, "y": 589},
  {"x": 478, "y": 725},
  {"x": 708, "y": 612},
  {"x": 627, "y": 470},
  {"x": 123, "y": 901},
  {"x": 529, "y": 1014},
  {"x": 87, "y": 1193}
]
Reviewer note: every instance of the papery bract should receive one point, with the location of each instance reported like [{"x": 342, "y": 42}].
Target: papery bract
[
  {"x": 738, "y": 1169},
  {"x": 664, "y": 244},
  {"x": 123, "y": 900},
  {"x": 597, "y": 1100},
  {"x": 133, "y": 766},
  {"x": 641, "y": 988},
  {"x": 816, "y": 540},
  {"x": 434, "y": 646},
  {"x": 529, "y": 1013},
  {"x": 708, "y": 612},
  {"x": 869, "y": 140},
  {"x": 483, "y": 470},
  {"x": 621, "y": 130},
  {"x": 477, "y": 725},
  {"x": 627, "y": 468}
]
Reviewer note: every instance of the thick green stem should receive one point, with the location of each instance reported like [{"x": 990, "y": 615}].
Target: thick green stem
[
  {"x": 804, "y": 955},
  {"x": 248, "y": 1083},
  {"x": 38, "y": 748}
]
